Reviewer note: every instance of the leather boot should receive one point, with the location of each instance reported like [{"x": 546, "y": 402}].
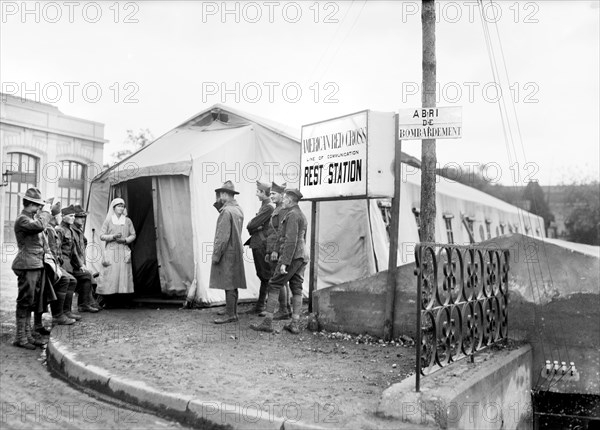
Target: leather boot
[
  {"x": 284, "y": 300},
  {"x": 32, "y": 340},
  {"x": 83, "y": 299},
  {"x": 56, "y": 307},
  {"x": 293, "y": 327},
  {"x": 73, "y": 315},
  {"x": 62, "y": 320},
  {"x": 285, "y": 310},
  {"x": 38, "y": 325},
  {"x": 266, "y": 325},
  {"x": 261, "y": 303},
  {"x": 21, "y": 338},
  {"x": 68, "y": 303},
  {"x": 230, "y": 307}
]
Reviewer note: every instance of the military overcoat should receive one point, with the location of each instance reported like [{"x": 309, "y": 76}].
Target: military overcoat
[{"x": 227, "y": 269}]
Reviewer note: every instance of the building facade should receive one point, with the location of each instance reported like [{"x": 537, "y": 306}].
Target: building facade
[{"x": 44, "y": 148}]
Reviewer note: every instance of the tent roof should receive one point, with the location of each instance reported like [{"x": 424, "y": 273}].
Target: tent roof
[
  {"x": 173, "y": 152},
  {"x": 221, "y": 122}
]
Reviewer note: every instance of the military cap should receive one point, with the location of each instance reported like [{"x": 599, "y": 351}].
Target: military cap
[
  {"x": 55, "y": 210},
  {"x": 68, "y": 210},
  {"x": 278, "y": 188},
  {"x": 295, "y": 192},
  {"x": 79, "y": 212},
  {"x": 263, "y": 187}
]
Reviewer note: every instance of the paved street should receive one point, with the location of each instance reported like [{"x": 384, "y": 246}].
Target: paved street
[{"x": 31, "y": 398}]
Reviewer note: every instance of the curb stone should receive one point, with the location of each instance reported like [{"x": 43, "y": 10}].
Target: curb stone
[{"x": 186, "y": 408}]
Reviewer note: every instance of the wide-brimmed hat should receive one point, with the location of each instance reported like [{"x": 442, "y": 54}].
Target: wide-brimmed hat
[
  {"x": 263, "y": 187},
  {"x": 294, "y": 191},
  {"x": 79, "y": 212},
  {"x": 68, "y": 210},
  {"x": 228, "y": 188},
  {"x": 34, "y": 195},
  {"x": 278, "y": 188}
]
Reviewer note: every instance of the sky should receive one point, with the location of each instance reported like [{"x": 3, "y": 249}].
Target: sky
[{"x": 155, "y": 64}]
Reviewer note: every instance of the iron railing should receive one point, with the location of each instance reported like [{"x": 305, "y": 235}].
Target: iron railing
[{"x": 462, "y": 302}]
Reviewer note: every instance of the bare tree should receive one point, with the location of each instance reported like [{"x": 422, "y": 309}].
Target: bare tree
[{"x": 133, "y": 143}]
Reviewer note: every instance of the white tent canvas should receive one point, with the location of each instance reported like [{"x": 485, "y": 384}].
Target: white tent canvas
[{"x": 169, "y": 189}]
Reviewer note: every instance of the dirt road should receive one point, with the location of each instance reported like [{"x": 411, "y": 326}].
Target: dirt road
[{"x": 31, "y": 398}]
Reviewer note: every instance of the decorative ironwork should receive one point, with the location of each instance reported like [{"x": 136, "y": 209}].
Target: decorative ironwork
[{"x": 462, "y": 302}]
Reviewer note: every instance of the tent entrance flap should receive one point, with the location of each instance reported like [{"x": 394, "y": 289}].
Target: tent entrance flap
[{"x": 143, "y": 251}]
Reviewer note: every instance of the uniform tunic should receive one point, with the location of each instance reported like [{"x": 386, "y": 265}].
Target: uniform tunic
[
  {"x": 258, "y": 227},
  {"x": 28, "y": 265}
]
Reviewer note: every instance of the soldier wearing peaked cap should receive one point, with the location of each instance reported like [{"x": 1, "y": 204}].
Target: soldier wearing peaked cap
[
  {"x": 285, "y": 309},
  {"x": 227, "y": 269},
  {"x": 60, "y": 279},
  {"x": 28, "y": 265},
  {"x": 291, "y": 264},
  {"x": 71, "y": 262},
  {"x": 258, "y": 228},
  {"x": 80, "y": 250}
]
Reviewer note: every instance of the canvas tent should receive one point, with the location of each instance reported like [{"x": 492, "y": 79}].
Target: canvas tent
[{"x": 169, "y": 189}]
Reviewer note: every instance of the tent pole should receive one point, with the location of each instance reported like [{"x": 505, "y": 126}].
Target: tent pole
[
  {"x": 390, "y": 302},
  {"x": 314, "y": 253}
]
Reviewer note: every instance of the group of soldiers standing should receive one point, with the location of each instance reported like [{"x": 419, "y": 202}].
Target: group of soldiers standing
[
  {"x": 50, "y": 267},
  {"x": 277, "y": 240}
]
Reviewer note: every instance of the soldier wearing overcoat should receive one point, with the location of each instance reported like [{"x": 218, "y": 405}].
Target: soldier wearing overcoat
[{"x": 227, "y": 269}]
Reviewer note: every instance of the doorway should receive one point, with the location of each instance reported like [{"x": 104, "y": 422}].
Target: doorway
[{"x": 144, "y": 259}]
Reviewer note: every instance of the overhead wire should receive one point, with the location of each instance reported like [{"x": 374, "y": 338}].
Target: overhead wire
[
  {"x": 344, "y": 39},
  {"x": 535, "y": 203},
  {"x": 337, "y": 30},
  {"x": 511, "y": 148}
]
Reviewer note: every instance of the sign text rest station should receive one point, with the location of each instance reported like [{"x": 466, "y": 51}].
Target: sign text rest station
[{"x": 348, "y": 157}]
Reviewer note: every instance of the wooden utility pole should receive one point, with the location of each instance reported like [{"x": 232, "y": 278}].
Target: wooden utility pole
[
  {"x": 428, "y": 157},
  {"x": 390, "y": 300}
]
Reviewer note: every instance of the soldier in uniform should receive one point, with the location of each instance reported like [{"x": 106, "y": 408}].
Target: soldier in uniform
[
  {"x": 80, "y": 248},
  {"x": 63, "y": 280},
  {"x": 28, "y": 265},
  {"x": 285, "y": 309},
  {"x": 70, "y": 263},
  {"x": 258, "y": 228},
  {"x": 291, "y": 263},
  {"x": 227, "y": 269}
]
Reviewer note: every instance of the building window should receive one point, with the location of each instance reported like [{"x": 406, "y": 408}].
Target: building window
[
  {"x": 71, "y": 183},
  {"x": 448, "y": 221},
  {"x": 488, "y": 228},
  {"x": 24, "y": 168},
  {"x": 417, "y": 214}
]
